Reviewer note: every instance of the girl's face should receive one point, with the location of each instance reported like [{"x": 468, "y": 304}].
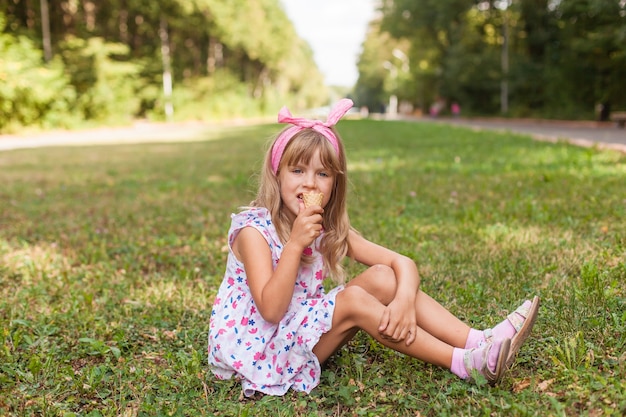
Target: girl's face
[{"x": 304, "y": 178}]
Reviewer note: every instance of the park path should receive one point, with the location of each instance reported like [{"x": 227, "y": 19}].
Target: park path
[
  {"x": 604, "y": 135},
  {"x": 138, "y": 132},
  {"x": 587, "y": 134}
]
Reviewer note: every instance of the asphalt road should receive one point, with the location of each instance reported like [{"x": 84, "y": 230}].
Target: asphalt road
[{"x": 599, "y": 134}]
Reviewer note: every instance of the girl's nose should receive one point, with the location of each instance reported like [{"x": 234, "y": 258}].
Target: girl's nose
[{"x": 309, "y": 180}]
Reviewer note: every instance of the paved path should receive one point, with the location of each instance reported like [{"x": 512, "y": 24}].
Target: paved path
[
  {"x": 139, "y": 132},
  {"x": 602, "y": 135}
]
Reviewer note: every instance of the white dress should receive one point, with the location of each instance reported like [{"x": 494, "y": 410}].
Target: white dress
[{"x": 266, "y": 357}]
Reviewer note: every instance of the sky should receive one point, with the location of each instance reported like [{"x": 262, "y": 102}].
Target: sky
[{"x": 335, "y": 30}]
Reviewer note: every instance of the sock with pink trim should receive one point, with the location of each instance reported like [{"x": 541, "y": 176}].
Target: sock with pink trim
[
  {"x": 476, "y": 359},
  {"x": 506, "y": 329},
  {"x": 475, "y": 338},
  {"x": 458, "y": 367},
  {"x": 503, "y": 330}
]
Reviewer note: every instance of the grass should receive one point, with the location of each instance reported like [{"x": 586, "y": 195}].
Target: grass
[{"x": 110, "y": 258}]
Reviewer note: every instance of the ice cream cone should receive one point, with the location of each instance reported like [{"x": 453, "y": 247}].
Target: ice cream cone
[{"x": 312, "y": 199}]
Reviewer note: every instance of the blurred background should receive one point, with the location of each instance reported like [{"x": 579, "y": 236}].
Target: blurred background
[{"x": 76, "y": 63}]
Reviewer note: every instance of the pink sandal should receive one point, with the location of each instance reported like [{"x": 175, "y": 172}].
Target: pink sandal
[
  {"x": 523, "y": 320},
  {"x": 492, "y": 377}
]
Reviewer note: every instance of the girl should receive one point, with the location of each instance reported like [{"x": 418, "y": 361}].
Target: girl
[{"x": 273, "y": 323}]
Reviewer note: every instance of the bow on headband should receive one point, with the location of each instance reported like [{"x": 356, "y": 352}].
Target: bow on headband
[{"x": 300, "y": 123}]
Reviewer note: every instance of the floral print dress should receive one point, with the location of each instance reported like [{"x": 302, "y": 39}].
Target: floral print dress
[{"x": 269, "y": 358}]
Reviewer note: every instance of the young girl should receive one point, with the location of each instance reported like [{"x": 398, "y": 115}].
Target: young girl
[{"x": 273, "y": 324}]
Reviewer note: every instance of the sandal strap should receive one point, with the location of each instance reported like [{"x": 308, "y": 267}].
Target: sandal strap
[
  {"x": 518, "y": 317},
  {"x": 488, "y": 334},
  {"x": 467, "y": 362},
  {"x": 484, "y": 364}
]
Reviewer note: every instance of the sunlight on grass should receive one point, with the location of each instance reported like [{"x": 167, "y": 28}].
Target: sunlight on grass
[
  {"x": 192, "y": 295},
  {"x": 378, "y": 164},
  {"x": 509, "y": 236},
  {"x": 32, "y": 262},
  {"x": 110, "y": 258}
]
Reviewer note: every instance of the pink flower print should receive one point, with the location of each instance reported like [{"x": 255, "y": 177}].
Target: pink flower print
[
  {"x": 303, "y": 284},
  {"x": 319, "y": 275},
  {"x": 237, "y": 365},
  {"x": 230, "y": 323},
  {"x": 289, "y": 336},
  {"x": 234, "y": 304},
  {"x": 221, "y": 331},
  {"x": 312, "y": 373},
  {"x": 231, "y": 282},
  {"x": 300, "y": 340},
  {"x": 248, "y": 344},
  {"x": 279, "y": 370},
  {"x": 238, "y": 271},
  {"x": 272, "y": 346},
  {"x": 244, "y": 321},
  {"x": 305, "y": 320},
  {"x": 217, "y": 300},
  {"x": 259, "y": 356},
  {"x": 312, "y": 302},
  {"x": 253, "y": 331},
  {"x": 308, "y": 251},
  {"x": 252, "y": 310}
]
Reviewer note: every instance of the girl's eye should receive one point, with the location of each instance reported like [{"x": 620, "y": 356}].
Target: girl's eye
[
  {"x": 296, "y": 170},
  {"x": 324, "y": 174}
]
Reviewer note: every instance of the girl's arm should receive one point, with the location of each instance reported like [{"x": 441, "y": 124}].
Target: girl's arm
[
  {"x": 399, "y": 317},
  {"x": 272, "y": 289}
]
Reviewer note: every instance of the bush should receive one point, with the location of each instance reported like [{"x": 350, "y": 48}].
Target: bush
[
  {"x": 31, "y": 94},
  {"x": 106, "y": 86},
  {"x": 221, "y": 96}
]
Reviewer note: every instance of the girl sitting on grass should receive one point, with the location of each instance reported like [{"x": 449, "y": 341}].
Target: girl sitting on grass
[{"x": 273, "y": 323}]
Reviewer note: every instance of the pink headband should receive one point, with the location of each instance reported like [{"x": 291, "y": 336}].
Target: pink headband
[{"x": 300, "y": 123}]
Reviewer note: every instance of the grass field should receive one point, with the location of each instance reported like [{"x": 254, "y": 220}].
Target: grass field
[{"x": 110, "y": 259}]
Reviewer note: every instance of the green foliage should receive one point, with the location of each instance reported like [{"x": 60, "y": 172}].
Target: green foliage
[
  {"x": 110, "y": 259},
  {"x": 106, "y": 86},
  {"x": 557, "y": 59},
  {"x": 110, "y": 58},
  {"x": 30, "y": 93}
]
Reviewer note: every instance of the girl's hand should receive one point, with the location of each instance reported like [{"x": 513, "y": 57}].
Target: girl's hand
[
  {"x": 398, "y": 322},
  {"x": 307, "y": 226}
]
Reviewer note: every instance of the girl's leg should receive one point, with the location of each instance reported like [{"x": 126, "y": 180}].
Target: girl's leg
[
  {"x": 355, "y": 308},
  {"x": 431, "y": 316},
  {"x": 435, "y": 319}
]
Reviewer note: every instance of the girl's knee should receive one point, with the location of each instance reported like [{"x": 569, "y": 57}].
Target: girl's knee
[
  {"x": 382, "y": 272},
  {"x": 355, "y": 294},
  {"x": 383, "y": 283},
  {"x": 355, "y": 306},
  {"x": 354, "y": 299}
]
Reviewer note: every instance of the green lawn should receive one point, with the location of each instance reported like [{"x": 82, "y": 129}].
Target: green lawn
[{"x": 110, "y": 258}]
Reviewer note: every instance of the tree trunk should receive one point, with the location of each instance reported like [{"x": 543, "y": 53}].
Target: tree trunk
[
  {"x": 45, "y": 31},
  {"x": 167, "y": 69}
]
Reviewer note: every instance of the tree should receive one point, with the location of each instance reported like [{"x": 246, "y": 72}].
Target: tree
[
  {"x": 249, "y": 46},
  {"x": 551, "y": 58}
]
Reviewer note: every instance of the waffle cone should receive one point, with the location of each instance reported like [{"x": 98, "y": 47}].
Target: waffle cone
[{"x": 312, "y": 199}]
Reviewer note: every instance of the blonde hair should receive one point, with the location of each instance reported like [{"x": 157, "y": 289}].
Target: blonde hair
[{"x": 300, "y": 149}]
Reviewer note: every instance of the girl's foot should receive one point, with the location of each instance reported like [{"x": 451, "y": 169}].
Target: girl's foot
[
  {"x": 523, "y": 328},
  {"x": 516, "y": 326},
  {"x": 488, "y": 360}
]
